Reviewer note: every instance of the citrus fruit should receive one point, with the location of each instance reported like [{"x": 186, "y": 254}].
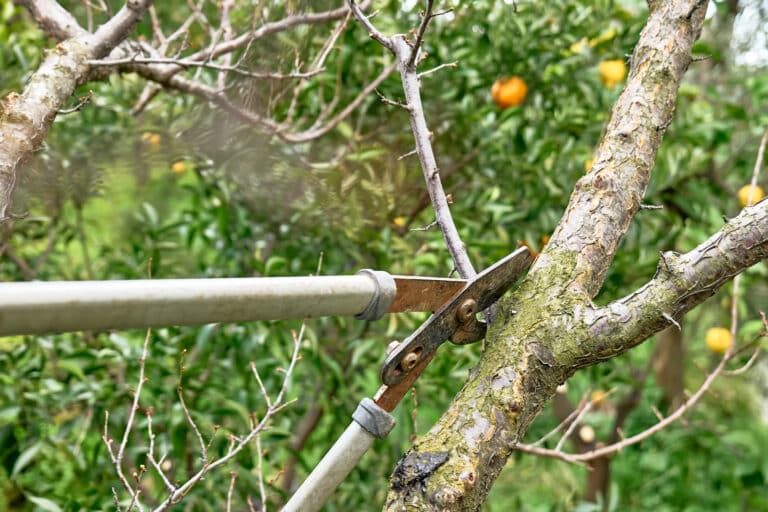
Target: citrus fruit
[
  {"x": 509, "y": 92},
  {"x": 757, "y": 194},
  {"x": 612, "y": 72},
  {"x": 718, "y": 339},
  {"x": 598, "y": 397},
  {"x": 179, "y": 167}
]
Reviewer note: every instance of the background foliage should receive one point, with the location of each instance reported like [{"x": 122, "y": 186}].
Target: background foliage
[{"x": 102, "y": 201}]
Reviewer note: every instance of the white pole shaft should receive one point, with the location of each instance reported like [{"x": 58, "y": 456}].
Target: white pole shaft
[
  {"x": 40, "y": 308},
  {"x": 331, "y": 471}
]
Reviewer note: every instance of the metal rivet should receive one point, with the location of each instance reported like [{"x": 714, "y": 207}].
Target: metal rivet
[
  {"x": 410, "y": 360},
  {"x": 466, "y": 311}
]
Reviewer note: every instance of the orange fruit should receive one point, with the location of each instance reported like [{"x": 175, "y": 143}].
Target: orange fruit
[
  {"x": 757, "y": 194},
  {"x": 612, "y": 72},
  {"x": 509, "y": 92},
  {"x": 399, "y": 222},
  {"x": 179, "y": 167},
  {"x": 588, "y": 163},
  {"x": 598, "y": 397},
  {"x": 719, "y": 339}
]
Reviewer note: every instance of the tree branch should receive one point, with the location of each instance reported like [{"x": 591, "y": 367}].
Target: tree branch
[
  {"x": 547, "y": 327},
  {"x": 120, "y": 26},
  {"x": 53, "y": 19},
  {"x": 26, "y": 118},
  {"x": 605, "y": 200},
  {"x": 411, "y": 86}
]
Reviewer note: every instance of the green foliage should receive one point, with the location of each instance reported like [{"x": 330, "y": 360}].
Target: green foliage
[{"x": 103, "y": 202}]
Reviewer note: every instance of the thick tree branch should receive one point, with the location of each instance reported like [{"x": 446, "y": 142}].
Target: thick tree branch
[
  {"x": 548, "y": 328},
  {"x": 53, "y": 19},
  {"x": 26, "y": 118},
  {"x": 681, "y": 283},
  {"x": 605, "y": 200}
]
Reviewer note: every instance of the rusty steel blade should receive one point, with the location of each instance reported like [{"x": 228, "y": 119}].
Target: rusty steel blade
[
  {"x": 424, "y": 293},
  {"x": 480, "y": 293}
]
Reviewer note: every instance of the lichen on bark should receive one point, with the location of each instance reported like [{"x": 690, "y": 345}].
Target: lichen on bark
[{"x": 545, "y": 330}]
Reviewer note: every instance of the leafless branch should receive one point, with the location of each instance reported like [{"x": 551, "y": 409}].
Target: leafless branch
[
  {"x": 411, "y": 86},
  {"x": 117, "y": 458},
  {"x": 80, "y": 104},
  {"x": 184, "y": 63},
  {"x": 232, "y": 479},
  {"x": 426, "y": 17},
  {"x": 366, "y": 22},
  {"x": 428, "y": 72},
  {"x": 629, "y": 441}
]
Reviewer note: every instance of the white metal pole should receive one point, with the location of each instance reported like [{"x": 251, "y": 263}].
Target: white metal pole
[
  {"x": 331, "y": 471},
  {"x": 370, "y": 422},
  {"x": 40, "y": 307}
]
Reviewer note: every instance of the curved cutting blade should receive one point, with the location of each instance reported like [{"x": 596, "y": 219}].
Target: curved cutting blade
[{"x": 485, "y": 290}]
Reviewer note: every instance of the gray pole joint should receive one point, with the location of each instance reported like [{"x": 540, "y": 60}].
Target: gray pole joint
[
  {"x": 386, "y": 289},
  {"x": 375, "y": 420}
]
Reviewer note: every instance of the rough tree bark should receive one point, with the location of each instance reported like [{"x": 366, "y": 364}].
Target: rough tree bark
[
  {"x": 25, "y": 118},
  {"x": 549, "y": 327}
]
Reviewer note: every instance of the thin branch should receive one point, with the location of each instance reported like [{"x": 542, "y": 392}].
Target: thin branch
[
  {"x": 428, "y": 72},
  {"x": 237, "y": 444},
  {"x": 117, "y": 458},
  {"x": 80, "y": 104},
  {"x": 576, "y": 421},
  {"x": 629, "y": 441},
  {"x": 402, "y": 50},
  {"x": 260, "y": 474},
  {"x": 372, "y": 31},
  {"x": 438, "y": 197},
  {"x": 187, "y": 414},
  {"x": 232, "y": 479},
  {"x": 185, "y": 63},
  {"x": 426, "y": 17},
  {"x": 273, "y": 28}
]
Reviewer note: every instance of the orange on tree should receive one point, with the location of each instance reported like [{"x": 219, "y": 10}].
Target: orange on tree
[
  {"x": 598, "y": 397},
  {"x": 612, "y": 72},
  {"x": 179, "y": 167},
  {"x": 718, "y": 339},
  {"x": 509, "y": 92},
  {"x": 757, "y": 194},
  {"x": 152, "y": 138}
]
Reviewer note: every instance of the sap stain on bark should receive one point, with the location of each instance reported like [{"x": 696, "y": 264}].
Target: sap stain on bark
[{"x": 415, "y": 469}]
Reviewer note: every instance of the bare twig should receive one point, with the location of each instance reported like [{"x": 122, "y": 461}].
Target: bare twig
[
  {"x": 187, "y": 414},
  {"x": 366, "y": 22},
  {"x": 426, "y": 17},
  {"x": 260, "y": 474},
  {"x": 428, "y": 72},
  {"x": 117, "y": 458},
  {"x": 232, "y": 479},
  {"x": 80, "y": 104},
  {"x": 402, "y": 50},
  {"x": 185, "y": 63}
]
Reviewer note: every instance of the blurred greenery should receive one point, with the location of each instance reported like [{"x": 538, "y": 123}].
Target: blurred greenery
[{"x": 102, "y": 200}]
